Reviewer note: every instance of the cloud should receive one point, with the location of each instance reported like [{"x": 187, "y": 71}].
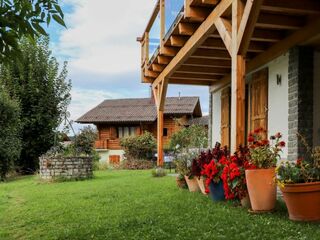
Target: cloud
[{"x": 104, "y": 57}]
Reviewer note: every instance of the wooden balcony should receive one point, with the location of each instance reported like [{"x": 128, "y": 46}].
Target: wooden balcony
[{"x": 108, "y": 144}]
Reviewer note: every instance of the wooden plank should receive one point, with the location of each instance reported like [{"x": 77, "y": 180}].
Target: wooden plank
[
  {"x": 157, "y": 67},
  {"x": 195, "y": 76},
  {"x": 203, "y": 70},
  {"x": 298, "y": 37},
  {"x": 297, "y": 7},
  {"x": 277, "y": 21},
  {"x": 168, "y": 51},
  {"x": 151, "y": 74},
  {"x": 187, "y": 28},
  {"x": 162, "y": 23},
  {"x": 243, "y": 22},
  {"x": 164, "y": 60},
  {"x": 225, "y": 117},
  {"x": 201, "y": 82},
  {"x": 195, "y": 14},
  {"x": 178, "y": 41},
  {"x": 210, "y": 2},
  {"x": 212, "y": 54},
  {"x": 204, "y": 30},
  {"x": 224, "y": 28},
  {"x": 208, "y": 62},
  {"x": 260, "y": 35}
]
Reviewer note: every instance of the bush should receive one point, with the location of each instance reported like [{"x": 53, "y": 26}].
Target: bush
[
  {"x": 10, "y": 142},
  {"x": 139, "y": 147},
  {"x": 84, "y": 142},
  {"x": 159, "y": 172}
]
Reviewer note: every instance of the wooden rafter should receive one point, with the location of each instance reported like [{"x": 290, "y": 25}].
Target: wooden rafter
[{"x": 224, "y": 28}]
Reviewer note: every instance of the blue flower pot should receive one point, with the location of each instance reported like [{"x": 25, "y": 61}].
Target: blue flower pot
[{"x": 216, "y": 191}]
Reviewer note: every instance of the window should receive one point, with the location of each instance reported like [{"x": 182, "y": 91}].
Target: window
[
  {"x": 165, "y": 132},
  {"x": 126, "y": 131}
]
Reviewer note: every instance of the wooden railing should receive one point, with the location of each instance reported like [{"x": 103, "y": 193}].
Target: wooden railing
[{"x": 108, "y": 144}]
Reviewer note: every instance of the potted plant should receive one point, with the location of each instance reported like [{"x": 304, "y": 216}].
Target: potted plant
[
  {"x": 300, "y": 184},
  {"x": 198, "y": 166},
  {"x": 264, "y": 155},
  {"x": 184, "y": 166},
  {"x": 233, "y": 176},
  {"x": 213, "y": 171}
]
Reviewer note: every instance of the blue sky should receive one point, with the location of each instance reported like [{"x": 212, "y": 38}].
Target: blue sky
[{"x": 104, "y": 57}]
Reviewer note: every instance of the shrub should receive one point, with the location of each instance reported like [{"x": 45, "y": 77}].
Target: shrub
[
  {"x": 159, "y": 172},
  {"x": 139, "y": 147},
  {"x": 10, "y": 126}
]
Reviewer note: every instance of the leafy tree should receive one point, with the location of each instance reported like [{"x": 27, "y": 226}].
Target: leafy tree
[
  {"x": 10, "y": 142},
  {"x": 139, "y": 147},
  {"x": 20, "y": 18},
  {"x": 85, "y": 140},
  {"x": 44, "y": 95},
  {"x": 195, "y": 136}
]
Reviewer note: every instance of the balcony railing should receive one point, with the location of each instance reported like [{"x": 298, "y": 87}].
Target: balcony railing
[{"x": 161, "y": 23}]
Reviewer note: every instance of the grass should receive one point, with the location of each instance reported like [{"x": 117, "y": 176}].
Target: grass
[{"x": 132, "y": 205}]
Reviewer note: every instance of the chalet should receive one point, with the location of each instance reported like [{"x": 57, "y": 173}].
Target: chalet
[
  {"x": 259, "y": 58},
  {"x": 119, "y": 118}
]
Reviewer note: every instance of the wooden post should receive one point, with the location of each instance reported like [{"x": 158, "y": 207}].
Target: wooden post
[
  {"x": 162, "y": 22},
  {"x": 160, "y": 138},
  {"x": 237, "y": 83}
]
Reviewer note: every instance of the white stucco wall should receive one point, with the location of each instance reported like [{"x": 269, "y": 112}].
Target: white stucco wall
[
  {"x": 278, "y": 99},
  {"x": 316, "y": 100},
  {"x": 216, "y": 117},
  {"x": 104, "y": 154}
]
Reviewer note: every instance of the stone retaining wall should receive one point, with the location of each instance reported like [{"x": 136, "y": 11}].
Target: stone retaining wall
[{"x": 66, "y": 168}]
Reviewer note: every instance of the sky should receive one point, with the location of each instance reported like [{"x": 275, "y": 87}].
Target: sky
[{"x": 103, "y": 55}]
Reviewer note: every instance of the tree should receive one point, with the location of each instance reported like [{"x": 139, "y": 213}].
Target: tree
[
  {"x": 23, "y": 18},
  {"x": 44, "y": 95},
  {"x": 10, "y": 142}
]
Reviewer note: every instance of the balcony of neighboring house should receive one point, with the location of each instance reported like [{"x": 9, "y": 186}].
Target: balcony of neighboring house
[{"x": 111, "y": 144}]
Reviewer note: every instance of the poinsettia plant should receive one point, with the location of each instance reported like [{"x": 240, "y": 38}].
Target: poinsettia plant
[
  {"x": 303, "y": 170},
  {"x": 212, "y": 171},
  {"x": 199, "y": 163},
  {"x": 233, "y": 175},
  {"x": 264, "y": 153}
]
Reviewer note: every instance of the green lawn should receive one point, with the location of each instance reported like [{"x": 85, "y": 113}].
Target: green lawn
[{"x": 131, "y": 205}]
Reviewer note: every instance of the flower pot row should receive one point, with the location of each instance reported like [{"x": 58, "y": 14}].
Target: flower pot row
[{"x": 251, "y": 176}]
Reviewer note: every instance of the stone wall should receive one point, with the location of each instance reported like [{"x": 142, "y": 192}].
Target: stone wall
[
  {"x": 300, "y": 99},
  {"x": 66, "y": 168}
]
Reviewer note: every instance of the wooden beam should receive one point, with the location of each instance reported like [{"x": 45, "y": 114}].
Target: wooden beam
[
  {"x": 204, "y": 30},
  {"x": 260, "y": 35},
  {"x": 292, "y": 6},
  {"x": 186, "y": 81},
  {"x": 203, "y": 70},
  {"x": 195, "y": 76},
  {"x": 212, "y": 54},
  {"x": 151, "y": 74},
  {"x": 244, "y": 21},
  {"x": 210, "y": 2},
  {"x": 208, "y": 62},
  {"x": 298, "y": 37},
  {"x": 224, "y": 28},
  {"x": 187, "y": 28},
  {"x": 237, "y": 85},
  {"x": 247, "y": 28},
  {"x": 195, "y": 14},
  {"x": 168, "y": 51},
  {"x": 225, "y": 81},
  {"x": 178, "y": 41},
  {"x": 157, "y": 67},
  {"x": 164, "y": 60},
  {"x": 276, "y": 21},
  {"x": 162, "y": 23},
  {"x": 160, "y": 138}
]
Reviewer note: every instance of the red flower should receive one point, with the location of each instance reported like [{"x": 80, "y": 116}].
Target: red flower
[
  {"x": 299, "y": 161},
  {"x": 282, "y": 144},
  {"x": 250, "y": 139}
]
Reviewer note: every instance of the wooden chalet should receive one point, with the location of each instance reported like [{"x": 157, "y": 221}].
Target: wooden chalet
[
  {"x": 119, "y": 118},
  {"x": 260, "y": 59}
]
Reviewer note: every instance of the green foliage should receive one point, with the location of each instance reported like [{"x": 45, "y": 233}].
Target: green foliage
[
  {"x": 159, "y": 172},
  {"x": 195, "y": 136},
  {"x": 84, "y": 141},
  {"x": 183, "y": 162},
  {"x": 44, "y": 94},
  {"x": 139, "y": 147},
  {"x": 10, "y": 125},
  {"x": 24, "y": 18}
]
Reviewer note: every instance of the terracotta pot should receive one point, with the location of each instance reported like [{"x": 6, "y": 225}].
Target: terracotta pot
[
  {"x": 201, "y": 184},
  {"x": 192, "y": 184},
  {"x": 303, "y": 201},
  {"x": 262, "y": 189},
  {"x": 245, "y": 202},
  {"x": 181, "y": 183}
]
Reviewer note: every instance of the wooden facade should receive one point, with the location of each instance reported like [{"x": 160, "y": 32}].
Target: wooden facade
[
  {"x": 109, "y": 138},
  {"x": 215, "y": 43}
]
